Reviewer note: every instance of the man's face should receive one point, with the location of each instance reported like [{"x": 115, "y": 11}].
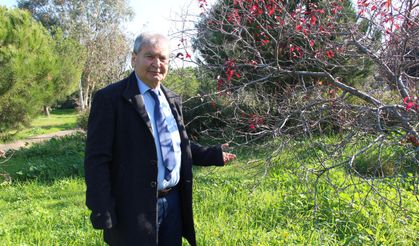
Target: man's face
[{"x": 151, "y": 63}]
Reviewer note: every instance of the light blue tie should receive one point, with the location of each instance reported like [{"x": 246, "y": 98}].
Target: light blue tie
[{"x": 166, "y": 143}]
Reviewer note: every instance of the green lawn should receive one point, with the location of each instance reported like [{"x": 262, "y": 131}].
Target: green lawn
[
  {"x": 234, "y": 205},
  {"x": 35, "y": 213},
  {"x": 59, "y": 120}
]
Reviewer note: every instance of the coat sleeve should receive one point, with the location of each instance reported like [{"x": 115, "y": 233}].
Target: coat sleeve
[
  {"x": 97, "y": 163},
  {"x": 207, "y": 156}
]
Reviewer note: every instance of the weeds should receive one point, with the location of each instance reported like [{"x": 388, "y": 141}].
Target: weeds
[{"x": 239, "y": 204}]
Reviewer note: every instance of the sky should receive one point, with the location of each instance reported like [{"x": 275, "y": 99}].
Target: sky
[
  {"x": 160, "y": 15},
  {"x": 151, "y": 15}
]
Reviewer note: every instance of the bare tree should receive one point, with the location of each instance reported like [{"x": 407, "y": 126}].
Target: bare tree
[{"x": 299, "y": 69}]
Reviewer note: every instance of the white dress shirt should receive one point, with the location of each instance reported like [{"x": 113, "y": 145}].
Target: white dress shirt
[{"x": 173, "y": 129}]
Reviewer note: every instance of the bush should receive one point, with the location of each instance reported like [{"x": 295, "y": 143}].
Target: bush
[
  {"x": 82, "y": 119},
  {"x": 183, "y": 81},
  {"x": 48, "y": 161}
]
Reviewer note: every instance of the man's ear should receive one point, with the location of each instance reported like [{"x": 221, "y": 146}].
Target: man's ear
[{"x": 133, "y": 59}]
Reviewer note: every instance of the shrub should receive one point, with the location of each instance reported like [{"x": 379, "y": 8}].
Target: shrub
[
  {"x": 48, "y": 161},
  {"x": 82, "y": 119}
]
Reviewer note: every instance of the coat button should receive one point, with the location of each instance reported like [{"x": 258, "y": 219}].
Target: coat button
[{"x": 153, "y": 184}]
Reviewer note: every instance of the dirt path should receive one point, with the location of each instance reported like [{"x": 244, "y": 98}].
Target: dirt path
[{"x": 36, "y": 139}]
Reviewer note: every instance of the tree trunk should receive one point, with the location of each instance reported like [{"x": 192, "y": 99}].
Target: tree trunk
[
  {"x": 47, "y": 110},
  {"x": 81, "y": 100}
]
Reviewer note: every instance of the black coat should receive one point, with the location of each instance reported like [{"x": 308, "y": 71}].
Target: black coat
[{"x": 121, "y": 166}]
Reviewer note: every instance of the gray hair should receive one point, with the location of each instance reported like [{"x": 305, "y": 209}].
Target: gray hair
[{"x": 148, "y": 39}]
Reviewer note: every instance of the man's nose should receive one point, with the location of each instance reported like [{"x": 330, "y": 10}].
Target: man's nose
[{"x": 156, "y": 62}]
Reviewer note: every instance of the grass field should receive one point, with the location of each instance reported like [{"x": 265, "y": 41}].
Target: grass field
[
  {"x": 59, "y": 120},
  {"x": 234, "y": 205}
]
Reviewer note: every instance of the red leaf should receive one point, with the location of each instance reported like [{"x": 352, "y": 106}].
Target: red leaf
[
  {"x": 330, "y": 53},
  {"x": 409, "y": 105},
  {"x": 254, "y": 8},
  {"x": 271, "y": 11},
  {"x": 229, "y": 74},
  {"x": 313, "y": 20},
  {"x": 311, "y": 42},
  {"x": 265, "y": 41}
]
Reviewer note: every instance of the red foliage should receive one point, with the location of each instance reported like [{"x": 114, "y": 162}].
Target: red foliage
[
  {"x": 411, "y": 104},
  {"x": 330, "y": 54},
  {"x": 230, "y": 69},
  {"x": 311, "y": 43},
  {"x": 313, "y": 20},
  {"x": 255, "y": 121}
]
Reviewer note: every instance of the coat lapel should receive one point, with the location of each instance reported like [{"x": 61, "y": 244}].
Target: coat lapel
[{"x": 134, "y": 97}]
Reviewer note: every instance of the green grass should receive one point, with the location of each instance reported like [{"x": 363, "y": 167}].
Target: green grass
[
  {"x": 230, "y": 210},
  {"x": 35, "y": 213},
  {"x": 59, "y": 120},
  {"x": 233, "y": 205}
]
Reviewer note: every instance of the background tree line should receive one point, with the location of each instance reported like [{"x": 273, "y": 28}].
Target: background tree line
[
  {"x": 53, "y": 49},
  {"x": 97, "y": 26}
]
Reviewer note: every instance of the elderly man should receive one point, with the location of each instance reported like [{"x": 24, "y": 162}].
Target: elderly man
[{"x": 138, "y": 163}]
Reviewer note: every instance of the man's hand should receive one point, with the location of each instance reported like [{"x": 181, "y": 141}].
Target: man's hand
[
  {"x": 102, "y": 220},
  {"x": 227, "y": 157}
]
